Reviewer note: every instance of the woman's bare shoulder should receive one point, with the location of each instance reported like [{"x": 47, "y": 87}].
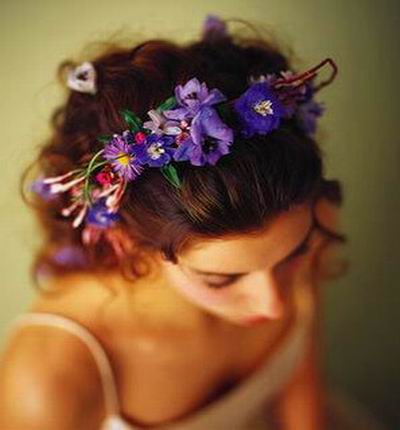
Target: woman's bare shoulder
[{"x": 46, "y": 377}]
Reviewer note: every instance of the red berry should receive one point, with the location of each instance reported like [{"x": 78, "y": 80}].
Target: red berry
[{"x": 140, "y": 137}]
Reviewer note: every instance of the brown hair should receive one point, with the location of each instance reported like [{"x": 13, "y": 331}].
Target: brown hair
[{"x": 260, "y": 178}]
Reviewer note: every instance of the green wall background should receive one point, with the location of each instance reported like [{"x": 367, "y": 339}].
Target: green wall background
[{"x": 362, "y": 350}]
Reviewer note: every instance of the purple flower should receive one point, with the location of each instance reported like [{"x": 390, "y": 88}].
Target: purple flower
[
  {"x": 125, "y": 157},
  {"x": 99, "y": 215},
  {"x": 69, "y": 256},
  {"x": 214, "y": 28},
  {"x": 42, "y": 189},
  {"x": 307, "y": 114},
  {"x": 182, "y": 153},
  {"x": 259, "y": 110},
  {"x": 191, "y": 98},
  {"x": 210, "y": 138},
  {"x": 158, "y": 150}
]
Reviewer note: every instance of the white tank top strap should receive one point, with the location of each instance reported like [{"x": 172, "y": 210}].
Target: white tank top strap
[{"x": 94, "y": 346}]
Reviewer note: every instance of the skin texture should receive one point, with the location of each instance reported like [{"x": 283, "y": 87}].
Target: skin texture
[{"x": 146, "y": 326}]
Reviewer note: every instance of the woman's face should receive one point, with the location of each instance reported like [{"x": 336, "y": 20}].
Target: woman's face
[{"x": 246, "y": 279}]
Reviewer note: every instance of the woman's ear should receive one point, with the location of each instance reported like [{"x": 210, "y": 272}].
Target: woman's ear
[
  {"x": 328, "y": 260},
  {"x": 327, "y": 213}
]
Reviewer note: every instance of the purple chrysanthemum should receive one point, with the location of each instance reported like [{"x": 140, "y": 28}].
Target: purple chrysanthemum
[
  {"x": 192, "y": 97},
  {"x": 158, "y": 150},
  {"x": 124, "y": 157},
  {"x": 99, "y": 215},
  {"x": 259, "y": 110}
]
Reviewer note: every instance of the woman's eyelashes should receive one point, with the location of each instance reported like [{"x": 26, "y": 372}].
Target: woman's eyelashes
[
  {"x": 220, "y": 284},
  {"x": 301, "y": 251}
]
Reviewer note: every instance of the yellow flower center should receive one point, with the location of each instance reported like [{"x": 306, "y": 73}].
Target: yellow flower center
[
  {"x": 264, "y": 107},
  {"x": 124, "y": 158}
]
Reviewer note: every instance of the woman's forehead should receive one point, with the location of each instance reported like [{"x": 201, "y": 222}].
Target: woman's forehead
[{"x": 243, "y": 252}]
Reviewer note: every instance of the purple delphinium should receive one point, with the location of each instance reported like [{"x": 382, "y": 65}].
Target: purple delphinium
[
  {"x": 209, "y": 139},
  {"x": 192, "y": 97},
  {"x": 259, "y": 110},
  {"x": 99, "y": 215},
  {"x": 158, "y": 150},
  {"x": 124, "y": 157}
]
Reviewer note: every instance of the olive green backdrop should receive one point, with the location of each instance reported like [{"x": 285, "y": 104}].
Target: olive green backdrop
[{"x": 360, "y": 131}]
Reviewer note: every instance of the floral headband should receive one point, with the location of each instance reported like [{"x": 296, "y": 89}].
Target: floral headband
[{"x": 188, "y": 126}]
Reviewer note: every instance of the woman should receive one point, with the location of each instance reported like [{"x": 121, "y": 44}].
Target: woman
[{"x": 183, "y": 256}]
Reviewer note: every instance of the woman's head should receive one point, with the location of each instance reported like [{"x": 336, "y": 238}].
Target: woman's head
[
  {"x": 262, "y": 179},
  {"x": 246, "y": 276}
]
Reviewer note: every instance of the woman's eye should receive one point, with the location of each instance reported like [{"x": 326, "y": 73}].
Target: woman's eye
[
  {"x": 217, "y": 285},
  {"x": 301, "y": 251}
]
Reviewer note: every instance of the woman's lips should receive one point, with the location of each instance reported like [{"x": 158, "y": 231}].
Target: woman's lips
[{"x": 254, "y": 320}]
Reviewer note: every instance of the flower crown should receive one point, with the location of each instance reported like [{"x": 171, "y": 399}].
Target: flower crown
[{"x": 188, "y": 126}]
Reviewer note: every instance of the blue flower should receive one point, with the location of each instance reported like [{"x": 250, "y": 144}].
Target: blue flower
[
  {"x": 99, "y": 215},
  {"x": 158, "y": 150},
  {"x": 259, "y": 110}
]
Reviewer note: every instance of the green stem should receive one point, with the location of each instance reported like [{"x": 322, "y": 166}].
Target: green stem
[{"x": 89, "y": 170}]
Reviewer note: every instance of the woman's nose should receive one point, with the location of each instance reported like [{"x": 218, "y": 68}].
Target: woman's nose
[{"x": 266, "y": 295}]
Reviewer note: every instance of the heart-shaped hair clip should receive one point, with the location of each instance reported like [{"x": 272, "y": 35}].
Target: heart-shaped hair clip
[{"x": 83, "y": 78}]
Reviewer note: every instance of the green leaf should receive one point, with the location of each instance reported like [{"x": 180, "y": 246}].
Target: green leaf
[
  {"x": 171, "y": 174},
  {"x": 104, "y": 138},
  {"x": 224, "y": 111},
  {"x": 134, "y": 123},
  {"x": 169, "y": 103}
]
